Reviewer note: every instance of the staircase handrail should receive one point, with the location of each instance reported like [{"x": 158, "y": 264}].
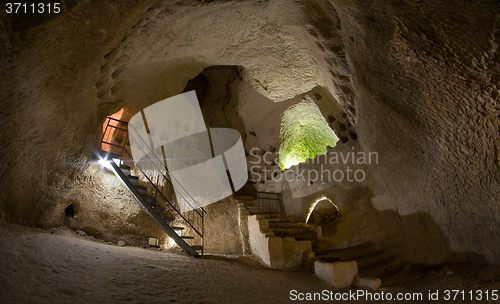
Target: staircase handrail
[
  {"x": 173, "y": 177},
  {"x": 124, "y": 150}
]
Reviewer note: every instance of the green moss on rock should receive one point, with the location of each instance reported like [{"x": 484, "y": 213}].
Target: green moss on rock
[{"x": 304, "y": 134}]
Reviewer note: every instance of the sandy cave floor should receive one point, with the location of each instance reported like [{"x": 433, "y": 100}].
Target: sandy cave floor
[{"x": 59, "y": 266}]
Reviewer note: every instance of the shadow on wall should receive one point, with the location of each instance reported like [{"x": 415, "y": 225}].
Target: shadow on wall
[{"x": 421, "y": 241}]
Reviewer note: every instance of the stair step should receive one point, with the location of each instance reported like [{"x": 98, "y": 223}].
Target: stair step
[
  {"x": 289, "y": 231},
  {"x": 329, "y": 259},
  {"x": 168, "y": 219},
  {"x": 353, "y": 252},
  {"x": 269, "y": 216},
  {"x": 142, "y": 190},
  {"x": 133, "y": 179},
  {"x": 125, "y": 169},
  {"x": 256, "y": 210},
  {"x": 383, "y": 268},
  {"x": 372, "y": 260},
  {"x": 139, "y": 193},
  {"x": 309, "y": 236},
  {"x": 251, "y": 207},
  {"x": 346, "y": 255},
  {"x": 281, "y": 220},
  {"x": 158, "y": 210},
  {"x": 151, "y": 200},
  {"x": 244, "y": 197},
  {"x": 286, "y": 225}
]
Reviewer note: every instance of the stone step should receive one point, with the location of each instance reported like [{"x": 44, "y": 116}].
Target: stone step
[
  {"x": 308, "y": 236},
  {"x": 269, "y": 216},
  {"x": 197, "y": 247},
  {"x": 383, "y": 268},
  {"x": 338, "y": 274},
  {"x": 323, "y": 239},
  {"x": 253, "y": 206},
  {"x": 252, "y": 209},
  {"x": 288, "y": 219},
  {"x": 371, "y": 260},
  {"x": 286, "y": 225},
  {"x": 255, "y": 210},
  {"x": 289, "y": 231},
  {"x": 244, "y": 198},
  {"x": 349, "y": 253},
  {"x": 177, "y": 228},
  {"x": 368, "y": 282}
]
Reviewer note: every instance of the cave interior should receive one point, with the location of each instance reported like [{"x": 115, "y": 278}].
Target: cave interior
[{"x": 366, "y": 126}]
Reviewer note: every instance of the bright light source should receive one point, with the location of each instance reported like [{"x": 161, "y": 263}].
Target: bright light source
[
  {"x": 117, "y": 161},
  {"x": 290, "y": 161},
  {"x": 105, "y": 163},
  {"x": 304, "y": 134}
]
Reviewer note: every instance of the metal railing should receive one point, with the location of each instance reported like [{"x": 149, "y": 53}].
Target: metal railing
[
  {"x": 269, "y": 202},
  {"x": 266, "y": 202},
  {"x": 114, "y": 136},
  {"x": 154, "y": 173},
  {"x": 191, "y": 217}
]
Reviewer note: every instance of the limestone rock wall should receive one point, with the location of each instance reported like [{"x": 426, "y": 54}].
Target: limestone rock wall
[{"x": 426, "y": 77}]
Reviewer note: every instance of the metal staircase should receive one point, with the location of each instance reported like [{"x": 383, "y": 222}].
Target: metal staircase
[{"x": 152, "y": 189}]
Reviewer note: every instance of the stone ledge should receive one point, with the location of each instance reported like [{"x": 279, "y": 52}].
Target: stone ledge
[{"x": 337, "y": 274}]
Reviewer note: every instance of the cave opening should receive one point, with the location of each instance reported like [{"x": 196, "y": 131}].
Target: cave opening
[
  {"x": 199, "y": 84},
  {"x": 69, "y": 212},
  {"x": 216, "y": 88},
  {"x": 322, "y": 213},
  {"x": 304, "y": 134},
  {"x": 114, "y": 131}
]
